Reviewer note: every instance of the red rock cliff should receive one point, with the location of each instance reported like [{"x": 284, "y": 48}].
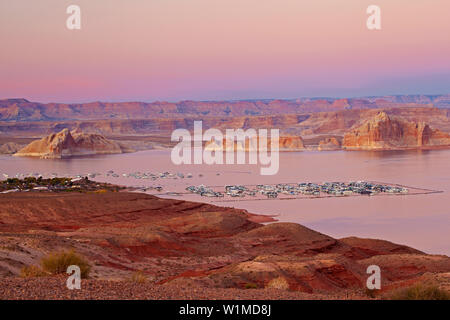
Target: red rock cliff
[{"x": 384, "y": 132}]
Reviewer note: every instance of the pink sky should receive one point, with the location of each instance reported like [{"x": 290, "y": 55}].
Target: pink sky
[{"x": 221, "y": 49}]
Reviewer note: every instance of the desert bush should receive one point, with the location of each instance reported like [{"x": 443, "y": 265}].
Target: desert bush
[
  {"x": 251, "y": 286},
  {"x": 278, "y": 283},
  {"x": 420, "y": 292},
  {"x": 138, "y": 277},
  {"x": 58, "y": 262},
  {"x": 32, "y": 272}
]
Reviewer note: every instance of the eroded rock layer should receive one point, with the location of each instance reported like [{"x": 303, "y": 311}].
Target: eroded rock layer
[
  {"x": 329, "y": 144},
  {"x": 66, "y": 144},
  {"x": 387, "y": 132}
]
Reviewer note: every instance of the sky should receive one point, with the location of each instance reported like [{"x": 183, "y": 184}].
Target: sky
[{"x": 171, "y": 50}]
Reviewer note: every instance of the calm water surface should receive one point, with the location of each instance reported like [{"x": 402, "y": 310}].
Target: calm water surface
[{"x": 420, "y": 221}]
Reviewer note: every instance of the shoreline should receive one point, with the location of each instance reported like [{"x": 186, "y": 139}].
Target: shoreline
[{"x": 163, "y": 148}]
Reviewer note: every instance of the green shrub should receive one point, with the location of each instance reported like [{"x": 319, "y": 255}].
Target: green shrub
[
  {"x": 251, "y": 286},
  {"x": 420, "y": 292},
  {"x": 58, "y": 262}
]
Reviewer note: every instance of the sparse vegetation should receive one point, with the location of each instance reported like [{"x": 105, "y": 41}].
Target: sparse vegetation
[
  {"x": 32, "y": 272},
  {"x": 278, "y": 283},
  {"x": 57, "y": 262},
  {"x": 101, "y": 191},
  {"x": 138, "y": 277},
  {"x": 251, "y": 286},
  {"x": 56, "y": 184},
  {"x": 420, "y": 292}
]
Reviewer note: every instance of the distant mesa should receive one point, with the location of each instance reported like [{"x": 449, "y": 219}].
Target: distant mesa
[
  {"x": 24, "y": 110},
  {"x": 329, "y": 144},
  {"x": 142, "y": 126},
  {"x": 389, "y": 133},
  {"x": 69, "y": 143}
]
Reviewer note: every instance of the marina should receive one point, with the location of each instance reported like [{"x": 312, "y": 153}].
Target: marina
[
  {"x": 231, "y": 192},
  {"x": 305, "y": 190}
]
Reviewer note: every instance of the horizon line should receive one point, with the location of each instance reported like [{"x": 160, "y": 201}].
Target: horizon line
[{"x": 232, "y": 100}]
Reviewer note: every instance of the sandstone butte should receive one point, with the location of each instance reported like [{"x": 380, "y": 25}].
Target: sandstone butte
[
  {"x": 329, "y": 144},
  {"x": 383, "y": 132},
  {"x": 193, "y": 246},
  {"x": 69, "y": 143}
]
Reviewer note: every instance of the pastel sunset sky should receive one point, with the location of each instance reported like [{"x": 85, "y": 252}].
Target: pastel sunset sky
[{"x": 222, "y": 49}]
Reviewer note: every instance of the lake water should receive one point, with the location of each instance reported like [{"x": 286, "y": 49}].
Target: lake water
[{"x": 420, "y": 221}]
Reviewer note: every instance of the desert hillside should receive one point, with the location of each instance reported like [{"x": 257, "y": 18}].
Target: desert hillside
[{"x": 188, "y": 249}]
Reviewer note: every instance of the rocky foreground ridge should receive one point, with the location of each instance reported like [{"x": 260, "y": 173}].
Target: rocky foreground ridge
[
  {"x": 69, "y": 143},
  {"x": 383, "y": 132},
  {"x": 191, "y": 248}
]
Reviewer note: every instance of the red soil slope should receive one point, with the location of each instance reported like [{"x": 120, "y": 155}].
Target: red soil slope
[{"x": 179, "y": 243}]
